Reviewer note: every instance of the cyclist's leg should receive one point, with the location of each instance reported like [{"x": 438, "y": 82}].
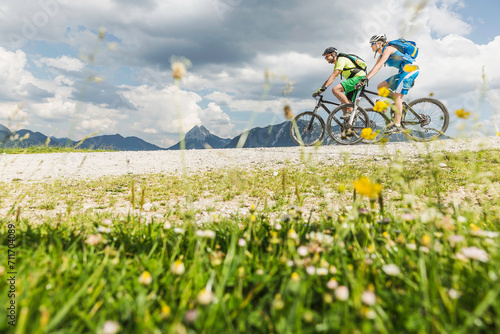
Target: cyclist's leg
[
  {"x": 339, "y": 93},
  {"x": 405, "y": 81}
]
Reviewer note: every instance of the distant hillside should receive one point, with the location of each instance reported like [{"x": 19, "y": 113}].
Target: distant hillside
[
  {"x": 200, "y": 138},
  {"x": 110, "y": 142}
]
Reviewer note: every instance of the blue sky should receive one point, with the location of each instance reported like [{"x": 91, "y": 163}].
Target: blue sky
[{"x": 58, "y": 77}]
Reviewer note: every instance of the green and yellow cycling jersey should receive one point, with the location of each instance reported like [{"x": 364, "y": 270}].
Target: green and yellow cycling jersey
[{"x": 345, "y": 65}]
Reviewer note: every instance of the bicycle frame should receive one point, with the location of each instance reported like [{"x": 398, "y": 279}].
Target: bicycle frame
[{"x": 321, "y": 103}]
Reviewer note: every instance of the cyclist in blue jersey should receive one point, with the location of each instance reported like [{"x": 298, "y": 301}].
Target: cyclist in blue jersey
[{"x": 398, "y": 84}]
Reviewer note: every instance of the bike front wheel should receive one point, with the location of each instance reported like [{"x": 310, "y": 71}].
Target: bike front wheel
[
  {"x": 307, "y": 128},
  {"x": 425, "y": 119},
  {"x": 378, "y": 122},
  {"x": 341, "y": 131}
]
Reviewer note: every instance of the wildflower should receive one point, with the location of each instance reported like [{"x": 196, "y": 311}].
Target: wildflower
[
  {"x": 333, "y": 270},
  {"x": 145, "y": 278},
  {"x": 206, "y": 234},
  {"x": 110, "y": 327},
  {"x": 94, "y": 239},
  {"x": 455, "y": 239},
  {"x": 368, "y": 134},
  {"x": 205, "y": 296},
  {"x": 475, "y": 253},
  {"x": 454, "y": 294},
  {"x": 391, "y": 269},
  {"x": 2, "y": 270},
  {"x": 167, "y": 226},
  {"x": 107, "y": 222},
  {"x": 342, "y": 293},
  {"x": 332, "y": 284},
  {"x": 409, "y": 68},
  {"x": 292, "y": 234},
  {"x": 411, "y": 246},
  {"x": 322, "y": 271},
  {"x": 302, "y": 250},
  {"x": 295, "y": 277},
  {"x": 190, "y": 316},
  {"x": 407, "y": 216},
  {"x": 178, "y": 230},
  {"x": 165, "y": 311},
  {"x": 103, "y": 229},
  {"x": 380, "y": 106},
  {"x": 288, "y": 112},
  {"x": 278, "y": 304},
  {"x": 311, "y": 270},
  {"x": 365, "y": 187},
  {"x": 425, "y": 241},
  {"x": 178, "y": 267},
  {"x": 242, "y": 242},
  {"x": 384, "y": 91},
  {"x": 253, "y": 218},
  {"x": 147, "y": 206},
  {"x": 260, "y": 272},
  {"x": 369, "y": 298},
  {"x": 461, "y": 113},
  {"x": 179, "y": 67},
  {"x": 485, "y": 234}
]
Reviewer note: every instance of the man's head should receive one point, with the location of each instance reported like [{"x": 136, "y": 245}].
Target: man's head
[{"x": 330, "y": 54}]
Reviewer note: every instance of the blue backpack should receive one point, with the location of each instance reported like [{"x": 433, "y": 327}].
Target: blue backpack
[{"x": 408, "y": 48}]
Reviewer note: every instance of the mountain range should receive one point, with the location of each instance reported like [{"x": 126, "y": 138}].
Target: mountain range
[{"x": 197, "y": 138}]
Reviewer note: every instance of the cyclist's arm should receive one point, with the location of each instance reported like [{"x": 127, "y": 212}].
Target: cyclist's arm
[
  {"x": 381, "y": 61},
  {"x": 331, "y": 79}
]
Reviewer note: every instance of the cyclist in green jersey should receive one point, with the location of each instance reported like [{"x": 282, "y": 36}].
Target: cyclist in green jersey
[{"x": 344, "y": 66}]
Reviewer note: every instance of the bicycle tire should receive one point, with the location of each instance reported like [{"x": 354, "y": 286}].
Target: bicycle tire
[
  {"x": 307, "y": 137},
  {"x": 435, "y": 120},
  {"x": 337, "y": 128},
  {"x": 378, "y": 123}
]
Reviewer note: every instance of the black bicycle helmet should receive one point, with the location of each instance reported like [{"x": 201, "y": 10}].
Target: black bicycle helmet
[
  {"x": 331, "y": 49},
  {"x": 378, "y": 38}
]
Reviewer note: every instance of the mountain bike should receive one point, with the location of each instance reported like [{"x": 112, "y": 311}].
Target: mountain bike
[
  {"x": 423, "y": 119},
  {"x": 308, "y": 128}
]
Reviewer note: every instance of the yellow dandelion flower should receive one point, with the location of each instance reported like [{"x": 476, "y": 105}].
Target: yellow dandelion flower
[
  {"x": 461, "y": 113},
  {"x": 380, "y": 106},
  {"x": 253, "y": 218},
  {"x": 425, "y": 241},
  {"x": 295, "y": 277},
  {"x": 384, "y": 91},
  {"x": 366, "y": 188},
  {"x": 368, "y": 134},
  {"x": 288, "y": 112},
  {"x": 165, "y": 311},
  {"x": 497, "y": 133},
  {"x": 409, "y": 68},
  {"x": 474, "y": 227}
]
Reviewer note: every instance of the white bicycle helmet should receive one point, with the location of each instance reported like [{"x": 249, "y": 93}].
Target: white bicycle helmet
[{"x": 378, "y": 38}]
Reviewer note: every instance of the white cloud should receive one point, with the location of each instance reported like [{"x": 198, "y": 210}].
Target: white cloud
[{"x": 64, "y": 63}]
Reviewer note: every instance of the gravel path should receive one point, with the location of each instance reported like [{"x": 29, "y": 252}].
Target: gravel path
[{"x": 50, "y": 166}]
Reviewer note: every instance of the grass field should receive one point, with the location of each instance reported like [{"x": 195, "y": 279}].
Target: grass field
[{"x": 386, "y": 245}]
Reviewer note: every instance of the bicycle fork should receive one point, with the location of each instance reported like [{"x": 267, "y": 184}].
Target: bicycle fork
[{"x": 354, "y": 111}]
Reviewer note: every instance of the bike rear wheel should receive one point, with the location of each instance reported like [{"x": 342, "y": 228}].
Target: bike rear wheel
[
  {"x": 378, "y": 123},
  {"x": 307, "y": 128},
  {"x": 343, "y": 133},
  {"x": 426, "y": 119}
]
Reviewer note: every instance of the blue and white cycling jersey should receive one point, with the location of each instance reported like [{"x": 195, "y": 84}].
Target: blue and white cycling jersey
[{"x": 404, "y": 80}]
